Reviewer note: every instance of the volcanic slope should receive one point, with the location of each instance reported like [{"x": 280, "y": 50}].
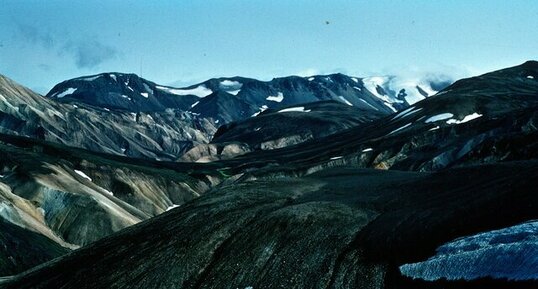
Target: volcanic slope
[
  {"x": 337, "y": 228},
  {"x": 274, "y": 129},
  {"x": 55, "y": 198}
]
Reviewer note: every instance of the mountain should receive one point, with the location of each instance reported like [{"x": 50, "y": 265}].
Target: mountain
[
  {"x": 358, "y": 200},
  {"x": 124, "y": 92},
  {"x": 157, "y": 135},
  {"x": 235, "y": 98},
  {"x": 487, "y": 118}
]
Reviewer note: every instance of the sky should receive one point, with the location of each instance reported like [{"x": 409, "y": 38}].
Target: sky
[{"x": 184, "y": 42}]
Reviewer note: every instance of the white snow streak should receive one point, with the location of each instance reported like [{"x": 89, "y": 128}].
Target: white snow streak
[
  {"x": 195, "y": 104},
  {"x": 89, "y": 78},
  {"x": 262, "y": 109},
  {"x": 199, "y": 91},
  {"x": 399, "y": 129},
  {"x": 278, "y": 98},
  {"x": 345, "y": 100},
  {"x": 467, "y": 118},
  {"x": 82, "y": 174},
  {"x": 172, "y": 207},
  {"x": 296, "y": 109},
  {"x": 439, "y": 117},
  {"x": 66, "y": 92}
]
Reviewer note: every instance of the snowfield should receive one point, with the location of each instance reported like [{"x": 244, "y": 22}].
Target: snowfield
[{"x": 510, "y": 253}]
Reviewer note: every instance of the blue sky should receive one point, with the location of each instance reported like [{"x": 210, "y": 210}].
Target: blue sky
[{"x": 183, "y": 42}]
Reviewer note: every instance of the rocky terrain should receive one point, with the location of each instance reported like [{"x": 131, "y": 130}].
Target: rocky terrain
[
  {"x": 340, "y": 228},
  {"x": 273, "y": 129},
  {"x": 156, "y": 135},
  {"x": 66, "y": 198},
  {"x": 319, "y": 195}
]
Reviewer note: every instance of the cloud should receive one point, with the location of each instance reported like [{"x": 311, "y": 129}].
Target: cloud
[
  {"x": 89, "y": 54},
  {"x": 44, "y": 67},
  {"x": 35, "y": 35},
  {"x": 85, "y": 53}
]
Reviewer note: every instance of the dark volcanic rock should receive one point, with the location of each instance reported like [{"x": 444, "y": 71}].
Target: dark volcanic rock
[
  {"x": 272, "y": 129},
  {"x": 339, "y": 228},
  {"x": 21, "y": 249}
]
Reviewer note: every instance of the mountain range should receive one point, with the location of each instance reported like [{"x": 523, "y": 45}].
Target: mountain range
[{"x": 299, "y": 182}]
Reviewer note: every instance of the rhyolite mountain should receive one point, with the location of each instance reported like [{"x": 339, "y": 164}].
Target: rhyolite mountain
[
  {"x": 459, "y": 165},
  {"x": 54, "y": 198},
  {"x": 235, "y": 98},
  {"x": 164, "y": 135}
]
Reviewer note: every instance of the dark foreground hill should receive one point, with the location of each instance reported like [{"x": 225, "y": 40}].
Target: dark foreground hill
[{"x": 338, "y": 228}]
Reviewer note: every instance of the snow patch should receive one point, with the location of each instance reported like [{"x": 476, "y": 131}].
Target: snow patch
[
  {"x": 234, "y": 92},
  {"x": 66, "y": 92},
  {"x": 367, "y": 150},
  {"x": 113, "y": 76},
  {"x": 82, "y": 174},
  {"x": 199, "y": 91},
  {"x": 147, "y": 88},
  {"x": 439, "y": 117},
  {"x": 144, "y": 94},
  {"x": 296, "y": 109},
  {"x": 262, "y": 109},
  {"x": 195, "y": 104},
  {"x": 172, "y": 207},
  {"x": 357, "y": 88},
  {"x": 336, "y": 158},
  {"x": 368, "y": 104},
  {"x": 530, "y": 77},
  {"x": 407, "y": 112},
  {"x": 108, "y": 192},
  {"x": 355, "y": 79},
  {"x": 505, "y": 253},
  {"x": 311, "y": 78},
  {"x": 434, "y": 128},
  {"x": 467, "y": 118},
  {"x": 345, "y": 100},
  {"x": 399, "y": 129},
  {"x": 92, "y": 78},
  {"x": 230, "y": 83},
  {"x": 278, "y": 98}
]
